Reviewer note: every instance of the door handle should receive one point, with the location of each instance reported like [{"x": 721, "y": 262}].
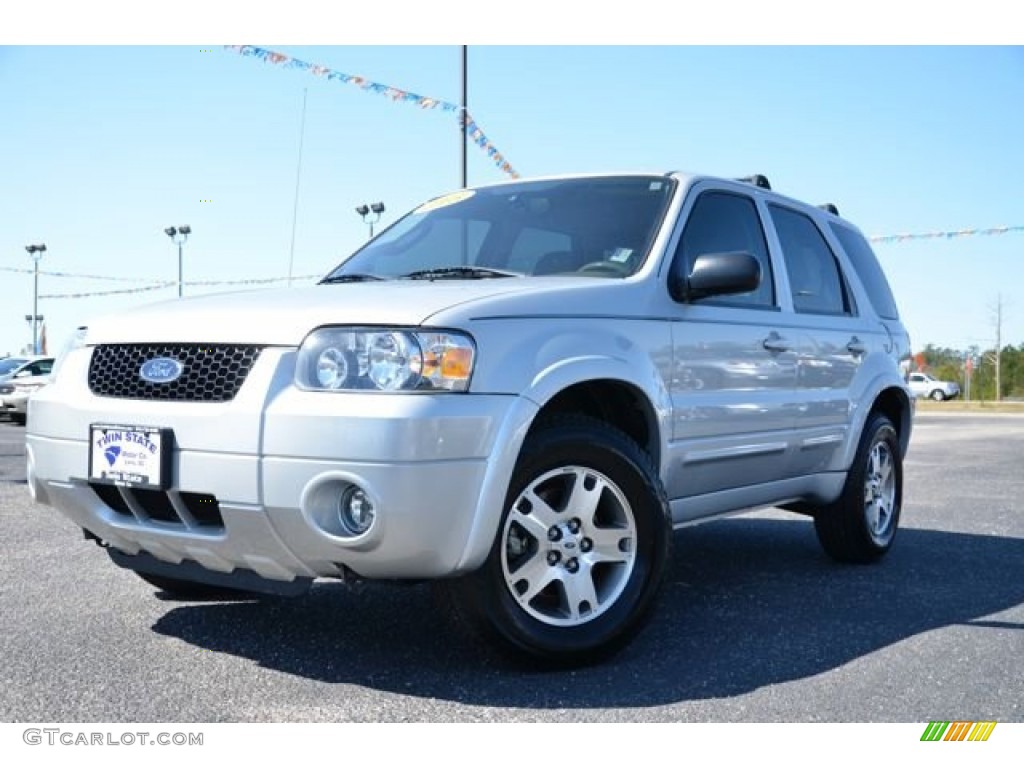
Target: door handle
[
  {"x": 856, "y": 346},
  {"x": 776, "y": 343}
]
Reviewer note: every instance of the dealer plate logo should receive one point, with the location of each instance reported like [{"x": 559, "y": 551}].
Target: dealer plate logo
[{"x": 161, "y": 370}]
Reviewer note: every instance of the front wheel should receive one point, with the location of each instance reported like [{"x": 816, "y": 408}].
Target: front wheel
[
  {"x": 938, "y": 395},
  {"x": 581, "y": 548},
  {"x": 861, "y": 525}
]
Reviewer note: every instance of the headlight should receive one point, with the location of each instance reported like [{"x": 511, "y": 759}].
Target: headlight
[{"x": 385, "y": 360}]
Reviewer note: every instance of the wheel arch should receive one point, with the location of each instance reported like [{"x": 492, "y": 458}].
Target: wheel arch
[
  {"x": 598, "y": 387},
  {"x": 894, "y": 402},
  {"x": 898, "y": 407},
  {"x": 618, "y": 403}
]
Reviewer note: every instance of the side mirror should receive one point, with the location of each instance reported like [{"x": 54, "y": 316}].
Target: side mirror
[{"x": 720, "y": 274}]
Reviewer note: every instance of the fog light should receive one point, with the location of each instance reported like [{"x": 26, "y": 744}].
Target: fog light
[{"x": 356, "y": 510}]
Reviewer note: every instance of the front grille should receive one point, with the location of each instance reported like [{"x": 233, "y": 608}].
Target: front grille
[
  {"x": 110, "y": 496},
  {"x": 200, "y": 510},
  {"x": 204, "y": 509},
  {"x": 212, "y": 373},
  {"x": 156, "y": 504}
]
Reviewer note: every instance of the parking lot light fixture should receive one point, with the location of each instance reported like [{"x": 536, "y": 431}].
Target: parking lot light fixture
[
  {"x": 364, "y": 210},
  {"x": 179, "y": 235},
  {"x": 36, "y": 252}
]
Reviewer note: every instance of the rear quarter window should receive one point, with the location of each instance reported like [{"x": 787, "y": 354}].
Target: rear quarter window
[{"x": 868, "y": 269}]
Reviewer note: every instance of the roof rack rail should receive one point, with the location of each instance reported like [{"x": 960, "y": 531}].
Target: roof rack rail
[
  {"x": 758, "y": 180},
  {"x": 830, "y": 207}
]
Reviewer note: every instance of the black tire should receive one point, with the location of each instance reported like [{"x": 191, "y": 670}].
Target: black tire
[
  {"x": 861, "y": 525},
  {"x": 937, "y": 395},
  {"x": 618, "y": 536},
  {"x": 19, "y": 418},
  {"x": 190, "y": 590}
]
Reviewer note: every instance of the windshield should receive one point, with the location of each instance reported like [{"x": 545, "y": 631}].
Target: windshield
[
  {"x": 10, "y": 364},
  {"x": 601, "y": 226}
]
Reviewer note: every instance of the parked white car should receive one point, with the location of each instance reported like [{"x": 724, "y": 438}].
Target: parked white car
[
  {"x": 517, "y": 391},
  {"x": 925, "y": 385}
]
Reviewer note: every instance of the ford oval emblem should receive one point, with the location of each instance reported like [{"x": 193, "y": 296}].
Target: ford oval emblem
[{"x": 161, "y": 370}]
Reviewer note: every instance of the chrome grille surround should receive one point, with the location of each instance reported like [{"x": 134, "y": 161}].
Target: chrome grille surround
[{"x": 212, "y": 373}]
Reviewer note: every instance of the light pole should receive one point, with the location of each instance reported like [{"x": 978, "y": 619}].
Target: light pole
[
  {"x": 184, "y": 231},
  {"x": 36, "y": 252},
  {"x": 365, "y": 210}
]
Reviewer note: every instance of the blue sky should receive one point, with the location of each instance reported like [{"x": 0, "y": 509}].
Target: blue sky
[{"x": 102, "y": 147}]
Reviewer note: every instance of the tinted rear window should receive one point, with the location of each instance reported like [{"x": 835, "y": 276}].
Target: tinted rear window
[{"x": 869, "y": 270}]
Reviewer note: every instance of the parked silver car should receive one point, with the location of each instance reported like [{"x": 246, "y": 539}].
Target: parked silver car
[
  {"x": 518, "y": 391},
  {"x": 14, "y": 367},
  {"x": 10, "y": 364},
  {"x": 14, "y": 395},
  {"x": 925, "y": 385}
]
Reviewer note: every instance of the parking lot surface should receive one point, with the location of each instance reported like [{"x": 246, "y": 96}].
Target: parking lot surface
[{"x": 755, "y": 624}]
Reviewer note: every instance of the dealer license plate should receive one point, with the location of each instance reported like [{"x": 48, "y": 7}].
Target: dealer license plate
[{"x": 138, "y": 457}]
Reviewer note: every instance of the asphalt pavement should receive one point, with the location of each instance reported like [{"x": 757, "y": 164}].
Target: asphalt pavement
[{"x": 755, "y": 624}]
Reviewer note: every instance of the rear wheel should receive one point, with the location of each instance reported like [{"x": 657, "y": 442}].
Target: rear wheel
[
  {"x": 938, "y": 395},
  {"x": 580, "y": 551},
  {"x": 861, "y": 525}
]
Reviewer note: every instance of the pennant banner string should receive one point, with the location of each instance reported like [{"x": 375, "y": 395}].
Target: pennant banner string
[
  {"x": 947, "y": 235},
  {"x": 140, "y": 289},
  {"x": 155, "y": 286},
  {"x": 395, "y": 94},
  {"x": 77, "y": 275},
  {"x": 170, "y": 284}
]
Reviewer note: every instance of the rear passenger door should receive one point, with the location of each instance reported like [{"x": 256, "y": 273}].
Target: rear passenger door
[{"x": 834, "y": 338}]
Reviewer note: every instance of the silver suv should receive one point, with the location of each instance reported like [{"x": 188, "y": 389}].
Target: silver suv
[{"x": 517, "y": 391}]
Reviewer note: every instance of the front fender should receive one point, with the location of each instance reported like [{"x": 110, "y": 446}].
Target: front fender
[{"x": 544, "y": 370}]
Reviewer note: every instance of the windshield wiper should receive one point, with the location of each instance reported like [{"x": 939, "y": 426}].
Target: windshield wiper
[
  {"x": 355, "y": 277},
  {"x": 440, "y": 273}
]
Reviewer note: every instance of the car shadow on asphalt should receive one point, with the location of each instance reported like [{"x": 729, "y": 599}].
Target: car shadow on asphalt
[{"x": 747, "y": 603}]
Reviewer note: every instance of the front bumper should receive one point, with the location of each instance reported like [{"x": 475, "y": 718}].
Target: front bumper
[
  {"x": 255, "y": 481},
  {"x": 14, "y": 403}
]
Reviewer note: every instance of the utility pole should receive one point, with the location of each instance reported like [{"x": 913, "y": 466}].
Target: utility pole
[
  {"x": 464, "y": 140},
  {"x": 996, "y": 355},
  {"x": 298, "y": 178},
  {"x": 999, "y": 344}
]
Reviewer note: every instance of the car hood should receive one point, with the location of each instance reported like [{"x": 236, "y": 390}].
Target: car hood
[{"x": 285, "y": 316}]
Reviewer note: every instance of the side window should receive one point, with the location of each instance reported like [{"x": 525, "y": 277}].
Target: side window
[
  {"x": 814, "y": 275},
  {"x": 869, "y": 271},
  {"x": 721, "y": 222}
]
